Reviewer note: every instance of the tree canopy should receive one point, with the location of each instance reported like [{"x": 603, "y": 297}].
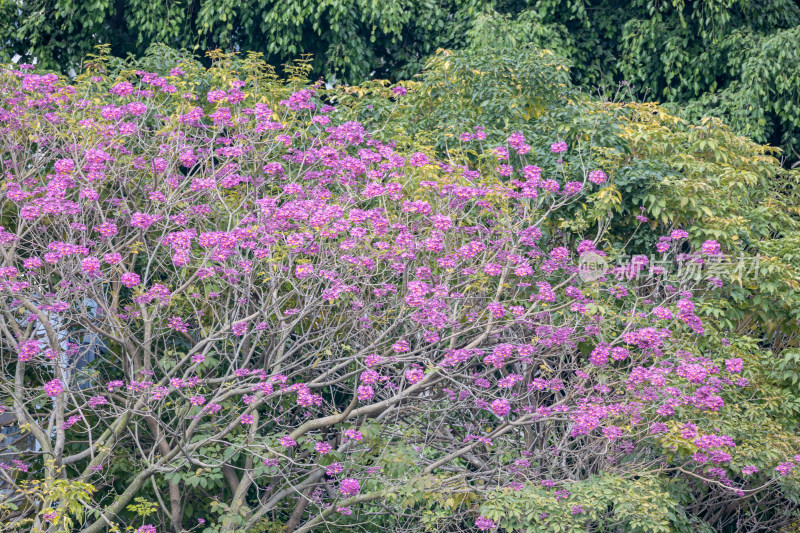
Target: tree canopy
[{"x": 232, "y": 300}]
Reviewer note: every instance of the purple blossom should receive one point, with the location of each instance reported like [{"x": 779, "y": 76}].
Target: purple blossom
[
  {"x": 53, "y": 388},
  {"x": 597, "y": 177},
  {"x": 323, "y": 448},
  {"x": 349, "y": 487},
  {"x": 484, "y": 524},
  {"x": 734, "y": 366},
  {"x": 129, "y": 279},
  {"x": 287, "y": 441},
  {"x": 711, "y": 247},
  {"x": 501, "y": 407}
]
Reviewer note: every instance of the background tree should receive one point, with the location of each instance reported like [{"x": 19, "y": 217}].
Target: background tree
[
  {"x": 349, "y": 40},
  {"x": 734, "y": 59}
]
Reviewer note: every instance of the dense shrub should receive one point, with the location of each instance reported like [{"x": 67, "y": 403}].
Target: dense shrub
[{"x": 228, "y": 307}]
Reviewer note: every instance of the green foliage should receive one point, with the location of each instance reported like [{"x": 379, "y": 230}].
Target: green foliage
[
  {"x": 734, "y": 59},
  {"x": 607, "y": 501},
  {"x": 142, "y": 508},
  {"x": 64, "y": 499}
]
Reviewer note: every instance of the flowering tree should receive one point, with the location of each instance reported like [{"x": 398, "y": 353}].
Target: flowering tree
[{"x": 225, "y": 309}]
